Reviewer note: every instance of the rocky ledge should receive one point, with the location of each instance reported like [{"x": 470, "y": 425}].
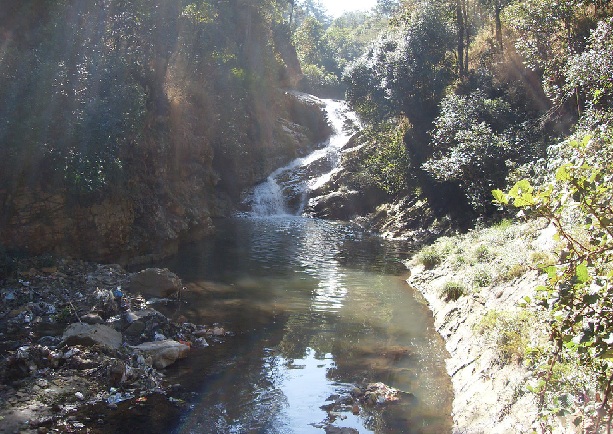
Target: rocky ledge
[{"x": 76, "y": 336}]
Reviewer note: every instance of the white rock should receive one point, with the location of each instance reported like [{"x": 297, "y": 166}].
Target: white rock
[{"x": 164, "y": 353}]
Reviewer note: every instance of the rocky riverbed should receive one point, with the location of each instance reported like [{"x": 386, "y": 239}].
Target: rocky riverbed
[{"x": 83, "y": 348}]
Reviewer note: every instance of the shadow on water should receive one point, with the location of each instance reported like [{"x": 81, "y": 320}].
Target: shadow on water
[{"x": 316, "y": 308}]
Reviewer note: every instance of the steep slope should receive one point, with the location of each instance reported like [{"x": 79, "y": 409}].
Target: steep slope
[{"x": 127, "y": 126}]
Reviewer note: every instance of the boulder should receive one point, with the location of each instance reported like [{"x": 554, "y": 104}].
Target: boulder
[
  {"x": 164, "y": 353},
  {"x": 88, "y": 334},
  {"x": 92, "y": 318},
  {"x": 156, "y": 282}
]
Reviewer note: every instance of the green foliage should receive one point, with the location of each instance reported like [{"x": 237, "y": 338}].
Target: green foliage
[
  {"x": 481, "y": 277},
  {"x": 200, "y": 13},
  {"x": 578, "y": 294},
  {"x": 429, "y": 258},
  {"x": 452, "y": 291},
  {"x": 318, "y": 80},
  {"x": 482, "y": 253},
  {"x": 309, "y": 42},
  {"x": 395, "y": 77},
  {"x": 81, "y": 100},
  {"x": 325, "y": 49},
  {"x": 512, "y": 272},
  {"x": 389, "y": 164},
  {"x": 589, "y": 72},
  {"x": 475, "y": 141}
]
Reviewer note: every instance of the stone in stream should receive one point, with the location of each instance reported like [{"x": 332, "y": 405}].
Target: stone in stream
[
  {"x": 92, "y": 318},
  {"x": 156, "y": 282},
  {"x": 163, "y": 353},
  {"x": 88, "y": 335}
]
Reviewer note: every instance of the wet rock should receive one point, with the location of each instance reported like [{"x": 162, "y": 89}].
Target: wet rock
[
  {"x": 156, "y": 282},
  {"x": 92, "y": 318},
  {"x": 49, "y": 341},
  {"x": 146, "y": 314},
  {"x": 86, "y": 334},
  {"x": 164, "y": 353},
  {"x": 379, "y": 393},
  {"x": 340, "y": 430},
  {"x": 135, "y": 329}
]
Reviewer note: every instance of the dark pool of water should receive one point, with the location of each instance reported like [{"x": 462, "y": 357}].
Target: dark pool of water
[{"x": 316, "y": 308}]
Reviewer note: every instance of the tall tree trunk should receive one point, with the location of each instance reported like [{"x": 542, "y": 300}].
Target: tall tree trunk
[
  {"x": 497, "y": 10},
  {"x": 467, "y": 29},
  {"x": 461, "y": 30}
]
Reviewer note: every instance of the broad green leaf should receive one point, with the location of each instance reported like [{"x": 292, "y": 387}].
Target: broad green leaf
[
  {"x": 582, "y": 273},
  {"x": 562, "y": 174},
  {"x": 520, "y": 188},
  {"x": 500, "y": 197}
]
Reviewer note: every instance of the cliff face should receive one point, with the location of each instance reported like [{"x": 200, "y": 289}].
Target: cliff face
[{"x": 127, "y": 126}]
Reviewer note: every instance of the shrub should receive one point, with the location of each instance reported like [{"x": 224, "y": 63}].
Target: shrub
[
  {"x": 388, "y": 166},
  {"x": 452, "y": 291},
  {"x": 512, "y": 272},
  {"x": 482, "y": 278},
  {"x": 482, "y": 253},
  {"x": 507, "y": 330},
  {"x": 429, "y": 258},
  {"x": 542, "y": 259}
]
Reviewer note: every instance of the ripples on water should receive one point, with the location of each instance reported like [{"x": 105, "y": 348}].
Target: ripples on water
[{"x": 317, "y": 308}]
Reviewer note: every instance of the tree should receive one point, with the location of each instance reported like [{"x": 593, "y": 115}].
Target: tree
[
  {"x": 407, "y": 69},
  {"x": 496, "y": 6}
]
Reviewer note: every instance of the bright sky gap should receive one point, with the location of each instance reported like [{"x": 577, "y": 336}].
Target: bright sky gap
[{"x": 337, "y": 7}]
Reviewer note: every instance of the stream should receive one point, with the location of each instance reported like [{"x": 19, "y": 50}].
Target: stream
[{"x": 315, "y": 309}]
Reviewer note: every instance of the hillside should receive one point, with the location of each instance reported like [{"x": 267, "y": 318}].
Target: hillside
[{"x": 127, "y": 126}]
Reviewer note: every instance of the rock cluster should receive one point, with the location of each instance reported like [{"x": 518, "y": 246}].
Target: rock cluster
[
  {"x": 357, "y": 401},
  {"x": 71, "y": 336}
]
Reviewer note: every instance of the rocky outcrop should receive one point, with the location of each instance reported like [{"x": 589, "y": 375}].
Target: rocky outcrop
[
  {"x": 490, "y": 388},
  {"x": 210, "y": 120}
]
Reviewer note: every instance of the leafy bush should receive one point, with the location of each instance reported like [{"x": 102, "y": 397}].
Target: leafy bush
[
  {"x": 388, "y": 166},
  {"x": 482, "y": 253},
  {"x": 512, "y": 272},
  {"x": 429, "y": 258},
  {"x": 395, "y": 77},
  {"x": 475, "y": 142},
  {"x": 588, "y": 73},
  {"x": 481, "y": 278},
  {"x": 577, "y": 296}
]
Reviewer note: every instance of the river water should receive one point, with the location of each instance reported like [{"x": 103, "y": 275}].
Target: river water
[{"x": 315, "y": 308}]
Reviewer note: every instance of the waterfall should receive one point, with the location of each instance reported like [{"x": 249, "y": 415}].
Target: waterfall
[
  {"x": 267, "y": 199},
  {"x": 286, "y": 190}
]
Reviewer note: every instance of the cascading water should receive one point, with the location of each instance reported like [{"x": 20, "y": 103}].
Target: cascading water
[{"x": 286, "y": 190}]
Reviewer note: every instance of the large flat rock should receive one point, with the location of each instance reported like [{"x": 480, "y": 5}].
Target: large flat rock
[{"x": 88, "y": 335}]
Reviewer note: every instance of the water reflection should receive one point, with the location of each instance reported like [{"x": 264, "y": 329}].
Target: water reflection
[{"x": 318, "y": 308}]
